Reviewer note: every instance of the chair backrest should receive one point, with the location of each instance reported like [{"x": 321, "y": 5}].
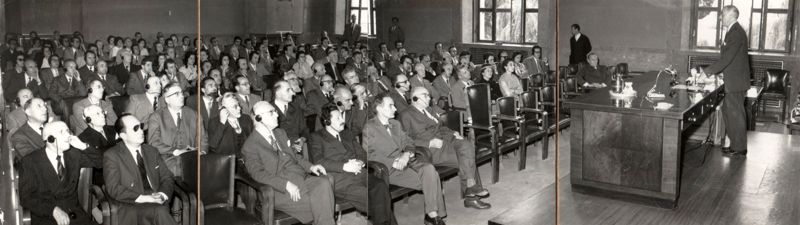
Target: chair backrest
[
  {"x": 776, "y": 81},
  {"x": 480, "y": 104},
  {"x": 570, "y": 84},
  {"x": 622, "y": 68},
  {"x": 453, "y": 120},
  {"x": 507, "y": 106},
  {"x": 525, "y": 83},
  {"x": 84, "y": 187},
  {"x": 547, "y": 93},
  {"x": 572, "y": 69},
  {"x": 119, "y": 103},
  {"x": 216, "y": 177},
  {"x": 537, "y": 80}
]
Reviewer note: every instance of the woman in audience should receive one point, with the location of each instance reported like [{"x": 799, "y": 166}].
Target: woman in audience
[
  {"x": 519, "y": 68},
  {"x": 117, "y": 45},
  {"x": 162, "y": 64},
  {"x": 102, "y": 50},
  {"x": 226, "y": 70},
  {"x": 509, "y": 83},
  {"x": 301, "y": 67},
  {"x": 189, "y": 70},
  {"x": 487, "y": 77},
  {"x": 158, "y": 48},
  {"x": 206, "y": 68},
  {"x": 44, "y": 58},
  {"x": 142, "y": 43}
]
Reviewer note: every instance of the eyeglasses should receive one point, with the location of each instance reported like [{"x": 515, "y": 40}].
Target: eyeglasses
[
  {"x": 176, "y": 93},
  {"x": 136, "y": 128}
]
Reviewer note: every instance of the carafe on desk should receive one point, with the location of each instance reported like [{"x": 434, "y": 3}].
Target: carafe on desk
[{"x": 618, "y": 87}]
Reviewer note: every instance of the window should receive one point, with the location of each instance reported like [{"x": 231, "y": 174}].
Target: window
[
  {"x": 766, "y": 22},
  {"x": 365, "y": 15},
  {"x": 511, "y": 21}
]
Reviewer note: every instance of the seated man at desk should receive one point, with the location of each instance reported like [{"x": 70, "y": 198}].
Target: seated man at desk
[{"x": 591, "y": 74}]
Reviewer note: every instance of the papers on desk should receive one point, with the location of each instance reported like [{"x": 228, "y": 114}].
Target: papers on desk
[
  {"x": 690, "y": 88},
  {"x": 752, "y": 92}
]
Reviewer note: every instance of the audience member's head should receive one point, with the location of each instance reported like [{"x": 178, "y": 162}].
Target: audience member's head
[
  {"x": 208, "y": 86},
  {"x": 265, "y": 115},
  {"x": 592, "y": 59},
  {"x": 343, "y": 98},
  {"x": 331, "y": 117},
  {"x": 230, "y": 103},
  {"x": 360, "y": 93},
  {"x": 130, "y": 130},
  {"x": 60, "y": 135},
  {"x": 350, "y": 76},
  {"x": 173, "y": 95},
  {"x": 36, "y": 110},
  {"x": 283, "y": 91},
  {"x": 384, "y": 106},
  {"x": 30, "y": 68},
  {"x": 90, "y": 58},
  {"x": 94, "y": 116},
  {"x": 576, "y": 29},
  {"x": 326, "y": 83},
  {"x": 96, "y": 89},
  {"x": 153, "y": 86},
  {"x": 241, "y": 85},
  {"x": 420, "y": 97},
  {"x": 401, "y": 83},
  {"x": 294, "y": 82}
]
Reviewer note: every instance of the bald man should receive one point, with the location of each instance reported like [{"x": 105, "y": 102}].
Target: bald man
[
  {"x": 142, "y": 105},
  {"x": 270, "y": 160},
  {"x": 28, "y": 137},
  {"x": 49, "y": 176}
]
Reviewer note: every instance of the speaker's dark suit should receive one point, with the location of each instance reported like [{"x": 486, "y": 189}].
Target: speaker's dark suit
[
  {"x": 734, "y": 63},
  {"x": 40, "y": 189},
  {"x": 578, "y": 49},
  {"x": 453, "y": 153},
  {"x": 124, "y": 184},
  {"x": 276, "y": 167}
]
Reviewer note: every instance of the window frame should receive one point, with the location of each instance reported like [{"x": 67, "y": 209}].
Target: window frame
[
  {"x": 764, "y": 10},
  {"x": 373, "y": 13},
  {"x": 478, "y": 9}
]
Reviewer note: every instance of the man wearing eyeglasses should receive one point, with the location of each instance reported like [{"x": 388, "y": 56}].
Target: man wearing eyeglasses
[
  {"x": 24, "y": 75},
  {"x": 172, "y": 129},
  {"x": 137, "y": 177},
  {"x": 399, "y": 91}
]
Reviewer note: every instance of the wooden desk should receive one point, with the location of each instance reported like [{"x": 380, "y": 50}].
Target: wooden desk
[{"x": 625, "y": 149}]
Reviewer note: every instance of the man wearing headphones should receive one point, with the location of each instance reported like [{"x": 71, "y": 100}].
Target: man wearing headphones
[
  {"x": 110, "y": 82},
  {"x": 49, "y": 176},
  {"x": 360, "y": 112},
  {"x": 270, "y": 160},
  {"x": 137, "y": 177},
  {"x": 142, "y": 105},
  {"x": 228, "y": 130},
  {"x": 172, "y": 129},
  {"x": 17, "y": 117},
  {"x": 99, "y": 135},
  {"x": 28, "y": 137},
  {"x": 313, "y": 83},
  {"x": 290, "y": 117},
  {"x": 399, "y": 92},
  {"x": 446, "y": 147},
  {"x": 95, "y": 97}
]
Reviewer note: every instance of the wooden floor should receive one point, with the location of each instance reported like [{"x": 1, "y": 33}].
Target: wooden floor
[{"x": 763, "y": 188}]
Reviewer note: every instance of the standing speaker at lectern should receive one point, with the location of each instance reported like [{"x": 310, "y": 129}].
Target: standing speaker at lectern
[{"x": 735, "y": 65}]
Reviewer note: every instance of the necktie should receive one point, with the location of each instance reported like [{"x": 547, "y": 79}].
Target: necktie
[
  {"x": 55, "y": 72},
  {"x": 155, "y": 103},
  {"x": 60, "y": 168},
  {"x": 91, "y": 68},
  {"x": 143, "y": 172},
  {"x": 274, "y": 143},
  {"x": 27, "y": 80},
  {"x": 178, "y": 121},
  {"x": 337, "y": 138},
  {"x": 246, "y": 100},
  {"x": 388, "y": 128},
  {"x": 128, "y": 68}
]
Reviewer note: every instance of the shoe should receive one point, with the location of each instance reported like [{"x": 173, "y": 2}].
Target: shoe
[
  {"x": 476, "y": 191},
  {"x": 476, "y": 203},
  {"x": 733, "y": 153},
  {"x": 433, "y": 221},
  {"x": 726, "y": 150}
]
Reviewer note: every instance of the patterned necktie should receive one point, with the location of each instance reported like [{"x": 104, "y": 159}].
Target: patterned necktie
[
  {"x": 388, "y": 128},
  {"x": 60, "y": 168},
  {"x": 178, "y": 121},
  {"x": 143, "y": 172},
  {"x": 274, "y": 143},
  {"x": 425, "y": 111},
  {"x": 155, "y": 103}
]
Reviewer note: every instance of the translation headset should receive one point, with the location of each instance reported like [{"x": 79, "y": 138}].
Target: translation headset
[
  {"x": 51, "y": 139},
  {"x": 415, "y": 98},
  {"x": 89, "y": 91}
]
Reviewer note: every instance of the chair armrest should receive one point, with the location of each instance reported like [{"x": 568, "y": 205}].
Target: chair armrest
[
  {"x": 189, "y": 203},
  {"x": 507, "y": 118},
  {"x": 26, "y": 217},
  {"x": 547, "y": 103},
  {"x": 249, "y": 181},
  {"x": 532, "y": 110},
  {"x": 458, "y": 109},
  {"x": 479, "y": 127}
]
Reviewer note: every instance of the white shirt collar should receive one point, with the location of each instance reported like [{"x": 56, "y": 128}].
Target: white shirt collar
[
  {"x": 174, "y": 115},
  {"x": 577, "y": 36},
  {"x": 35, "y": 128}
]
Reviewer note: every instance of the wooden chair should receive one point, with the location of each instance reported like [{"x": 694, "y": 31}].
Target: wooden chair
[
  {"x": 86, "y": 197},
  {"x": 488, "y": 141},
  {"x": 536, "y": 121},
  {"x": 570, "y": 88},
  {"x": 216, "y": 204},
  {"x": 776, "y": 88},
  {"x": 547, "y": 102},
  {"x": 536, "y": 80}
]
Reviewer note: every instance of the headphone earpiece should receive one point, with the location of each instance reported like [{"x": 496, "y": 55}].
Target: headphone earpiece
[
  {"x": 88, "y": 120},
  {"x": 147, "y": 86},
  {"x": 415, "y": 98},
  {"x": 89, "y": 91},
  {"x": 327, "y": 121},
  {"x": 339, "y": 103},
  {"x": 321, "y": 83},
  {"x": 396, "y": 85},
  {"x": 51, "y": 139},
  {"x": 258, "y": 118}
]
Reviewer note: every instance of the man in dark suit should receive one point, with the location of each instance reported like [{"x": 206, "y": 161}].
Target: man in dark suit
[
  {"x": 49, "y": 177},
  {"x": 124, "y": 69},
  {"x": 734, "y": 63},
  {"x": 352, "y": 30},
  {"x": 330, "y": 66},
  {"x": 399, "y": 91},
  {"x": 49, "y": 74},
  {"x": 171, "y": 129},
  {"x": 360, "y": 112},
  {"x": 110, "y": 82},
  {"x": 270, "y": 160},
  {"x": 69, "y": 85},
  {"x": 29, "y": 79},
  {"x": 446, "y": 147},
  {"x": 592, "y": 74},
  {"x": 28, "y": 137},
  {"x": 228, "y": 129},
  {"x": 89, "y": 70},
  {"x": 337, "y": 149},
  {"x": 136, "y": 80},
  {"x": 579, "y": 45},
  {"x": 95, "y": 97},
  {"x": 209, "y": 106},
  {"x": 98, "y": 135},
  {"x": 292, "y": 119},
  {"x": 387, "y": 143},
  {"x": 246, "y": 99},
  {"x": 136, "y": 177},
  {"x": 357, "y": 65},
  {"x": 287, "y": 60},
  {"x": 142, "y": 105}
]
